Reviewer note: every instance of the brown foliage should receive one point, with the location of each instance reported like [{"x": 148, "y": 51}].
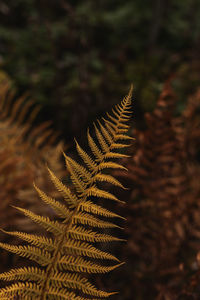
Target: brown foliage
[
  {"x": 23, "y": 151},
  {"x": 163, "y": 211}
]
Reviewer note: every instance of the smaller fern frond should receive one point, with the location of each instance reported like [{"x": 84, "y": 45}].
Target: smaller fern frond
[
  {"x": 111, "y": 165},
  {"x": 94, "y": 191},
  {"x": 70, "y": 198},
  {"x": 84, "y": 218},
  {"x": 59, "y": 208},
  {"x": 25, "y": 273},
  {"x": 76, "y": 179},
  {"x": 119, "y": 146},
  {"x": 51, "y": 226},
  {"x": 80, "y": 233},
  {"x": 36, "y": 240},
  {"x": 41, "y": 256},
  {"x": 101, "y": 140},
  {"x": 76, "y": 281},
  {"x": 86, "y": 158},
  {"x": 80, "y": 248},
  {"x": 107, "y": 136},
  {"x": 90, "y": 207},
  {"x": 80, "y": 170},
  {"x": 78, "y": 264},
  {"x": 115, "y": 155},
  {"x": 94, "y": 148},
  {"x": 108, "y": 178}
]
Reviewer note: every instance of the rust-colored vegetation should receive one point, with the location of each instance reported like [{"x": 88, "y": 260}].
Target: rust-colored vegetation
[
  {"x": 163, "y": 211},
  {"x": 24, "y": 150}
]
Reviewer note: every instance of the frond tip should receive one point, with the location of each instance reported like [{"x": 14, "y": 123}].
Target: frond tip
[{"x": 71, "y": 250}]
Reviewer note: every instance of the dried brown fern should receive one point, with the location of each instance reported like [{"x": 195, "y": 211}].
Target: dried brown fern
[
  {"x": 161, "y": 204},
  {"x": 23, "y": 151}
]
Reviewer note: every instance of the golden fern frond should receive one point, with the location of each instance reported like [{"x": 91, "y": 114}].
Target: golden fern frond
[
  {"x": 80, "y": 248},
  {"x": 108, "y": 178},
  {"x": 42, "y": 257},
  {"x": 36, "y": 240},
  {"x": 52, "y": 226},
  {"x": 69, "y": 251},
  {"x": 59, "y": 208},
  {"x": 80, "y": 233},
  {"x": 84, "y": 218},
  {"x": 90, "y": 207},
  {"x": 68, "y": 196},
  {"x": 96, "y": 151}
]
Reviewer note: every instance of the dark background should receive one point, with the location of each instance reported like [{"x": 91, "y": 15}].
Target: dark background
[{"x": 78, "y": 58}]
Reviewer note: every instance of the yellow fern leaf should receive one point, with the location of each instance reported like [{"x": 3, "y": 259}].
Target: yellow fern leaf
[
  {"x": 86, "y": 158},
  {"x": 36, "y": 240},
  {"x": 102, "y": 142},
  {"x": 69, "y": 197},
  {"x": 40, "y": 256},
  {"x": 90, "y": 207},
  {"x": 108, "y": 178},
  {"x": 60, "y": 209},
  {"x": 84, "y": 218},
  {"x": 96, "y": 151},
  {"x": 80, "y": 248},
  {"x": 26, "y": 273},
  {"x": 79, "y": 264},
  {"x": 51, "y": 226},
  {"x": 94, "y": 191},
  {"x": 76, "y": 281},
  {"x": 80, "y": 233}
]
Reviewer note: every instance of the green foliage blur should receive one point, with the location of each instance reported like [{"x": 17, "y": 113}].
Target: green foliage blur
[{"x": 77, "y": 58}]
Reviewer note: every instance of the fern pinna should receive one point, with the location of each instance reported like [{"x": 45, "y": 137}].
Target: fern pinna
[{"x": 68, "y": 252}]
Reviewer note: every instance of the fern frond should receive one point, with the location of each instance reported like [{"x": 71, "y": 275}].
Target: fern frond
[
  {"x": 80, "y": 170},
  {"x": 92, "y": 165},
  {"x": 101, "y": 140},
  {"x": 78, "y": 264},
  {"x": 60, "y": 256},
  {"x": 26, "y": 273},
  {"x": 96, "y": 151},
  {"x": 90, "y": 207},
  {"x": 80, "y": 233},
  {"x": 94, "y": 191},
  {"x": 111, "y": 165},
  {"x": 84, "y": 218},
  {"x": 69, "y": 197},
  {"x": 51, "y": 226},
  {"x": 107, "y": 136},
  {"x": 115, "y": 155},
  {"x": 59, "y": 208},
  {"x": 42, "y": 257},
  {"x": 75, "y": 247},
  {"x": 119, "y": 146},
  {"x": 76, "y": 179},
  {"x": 110, "y": 127},
  {"x": 36, "y": 240},
  {"x": 108, "y": 178},
  {"x": 31, "y": 291},
  {"x": 124, "y": 137}
]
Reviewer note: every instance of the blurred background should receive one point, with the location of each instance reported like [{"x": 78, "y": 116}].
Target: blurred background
[{"x": 76, "y": 59}]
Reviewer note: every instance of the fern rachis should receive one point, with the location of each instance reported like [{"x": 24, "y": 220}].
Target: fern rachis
[{"x": 62, "y": 257}]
